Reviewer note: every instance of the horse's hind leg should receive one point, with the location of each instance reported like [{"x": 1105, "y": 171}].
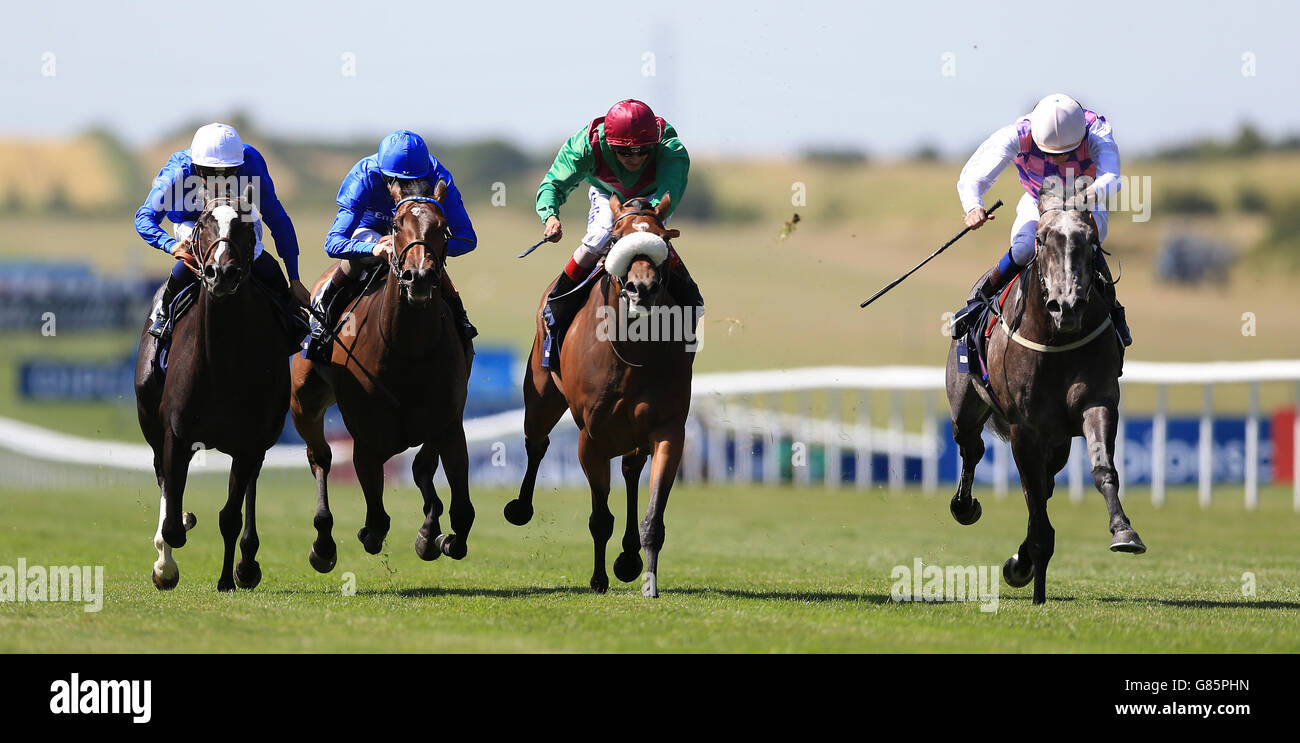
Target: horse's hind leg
[
  {"x": 628, "y": 564},
  {"x": 310, "y": 397},
  {"x": 247, "y": 572},
  {"x": 543, "y": 407},
  {"x": 1099, "y": 428},
  {"x": 370, "y": 473},
  {"x": 969, "y": 412},
  {"x": 243, "y": 470},
  {"x": 601, "y": 523}
]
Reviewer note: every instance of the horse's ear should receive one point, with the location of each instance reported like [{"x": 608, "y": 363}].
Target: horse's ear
[
  {"x": 662, "y": 210},
  {"x": 674, "y": 233},
  {"x": 615, "y": 204},
  {"x": 439, "y": 190}
]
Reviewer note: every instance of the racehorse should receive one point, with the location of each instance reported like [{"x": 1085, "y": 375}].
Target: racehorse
[
  {"x": 628, "y": 399},
  {"x": 226, "y": 387},
  {"x": 1053, "y": 373},
  {"x": 398, "y": 372}
]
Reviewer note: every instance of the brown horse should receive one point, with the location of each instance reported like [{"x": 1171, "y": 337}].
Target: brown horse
[
  {"x": 399, "y": 374},
  {"x": 1053, "y": 370},
  {"x": 226, "y": 387},
  {"x": 628, "y": 398}
]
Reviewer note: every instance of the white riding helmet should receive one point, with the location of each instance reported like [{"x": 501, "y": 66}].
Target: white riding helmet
[
  {"x": 217, "y": 146},
  {"x": 1057, "y": 124}
]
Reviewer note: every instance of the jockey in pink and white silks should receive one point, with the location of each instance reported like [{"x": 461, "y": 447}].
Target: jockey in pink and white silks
[{"x": 1058, "y": 139}]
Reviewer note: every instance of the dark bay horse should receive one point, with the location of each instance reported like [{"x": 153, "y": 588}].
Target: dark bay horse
[
  {"x": 1053, "y": 366},
  {"x": 226, "y": 387},
  {"x": 403, "y": 385},
  {"x": 628, "y": 398}
]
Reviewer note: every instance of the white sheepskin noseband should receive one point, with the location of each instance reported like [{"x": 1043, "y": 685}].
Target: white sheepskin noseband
[{"x": 630, "y": 246}]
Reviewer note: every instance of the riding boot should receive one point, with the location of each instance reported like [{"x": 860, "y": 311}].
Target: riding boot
[
  {"x": 160, "y": 318},
  {"x": 463, "y": 326},
  {"x": 323, "y": 317},
  {"x": 557, "y": 313},
  {"x": 994, "y": 281},
  {"x": 1116, "y": 309}
]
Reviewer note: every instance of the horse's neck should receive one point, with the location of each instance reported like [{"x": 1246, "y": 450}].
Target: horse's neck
[
  {"x": 412, "y": 331},
  {"x": 226, "y": 329}
]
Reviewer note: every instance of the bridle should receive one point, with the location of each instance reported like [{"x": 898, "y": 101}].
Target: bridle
[
  {"x": 212, "y": 246},
  {"x": 440, "y": 262}
]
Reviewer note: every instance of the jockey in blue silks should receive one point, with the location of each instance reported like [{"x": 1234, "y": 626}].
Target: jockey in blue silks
[
  {"x": 360, "y": 235},
  {"x": 217, "y": 157}
]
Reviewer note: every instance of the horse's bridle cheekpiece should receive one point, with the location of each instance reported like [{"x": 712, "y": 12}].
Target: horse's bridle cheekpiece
[{"x": 439, "y": 262}]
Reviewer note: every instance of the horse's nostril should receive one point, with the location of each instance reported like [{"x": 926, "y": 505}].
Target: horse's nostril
[{"x": 1053, "y": 306}]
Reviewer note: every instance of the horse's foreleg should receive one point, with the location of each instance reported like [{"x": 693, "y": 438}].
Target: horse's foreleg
[
  {"x": 1099, "y": 428},
  {"x": 628, "y": 565},
  {"x": 1040, "y": 540},
  {"x": 370, "y": 473},
  {"x": 663, "y": 471},
  {"x": 175, "y": 469},
  {"x": 969, "y": 412},
  {"x": 247, "y": 572},
  {"x": 423, "y": 467},
  {"x": 455, "y": 462},
  {"x": 601, "y": 523},
  {"x": 242, "y": 470},
  {"x": 544, "y": 405}
]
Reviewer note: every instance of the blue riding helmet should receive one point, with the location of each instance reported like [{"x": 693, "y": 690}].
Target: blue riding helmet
[{"x": 403, "y": 154}]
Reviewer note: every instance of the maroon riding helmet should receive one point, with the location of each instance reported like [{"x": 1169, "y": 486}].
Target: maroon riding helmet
[{"x": 631, "y": 123}]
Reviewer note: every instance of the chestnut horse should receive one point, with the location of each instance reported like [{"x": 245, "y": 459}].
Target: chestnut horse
[
  {"x": 403, "y": 384},
  {"x": 1053, "y": 369},
  {"x": 628, "y": 398},
  {"x": 226, "y": 387}
]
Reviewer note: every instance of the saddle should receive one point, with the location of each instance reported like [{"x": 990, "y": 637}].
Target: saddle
[{"x": 972, "y": 349}]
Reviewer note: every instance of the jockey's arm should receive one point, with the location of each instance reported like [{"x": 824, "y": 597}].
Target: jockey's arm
[
  {"x": 673, "y": 167},
  {"x": 275, "y": 216},
  {"x": 984, "y": 167},
  {"x": 1105, "y": 155},
  {"x": 463, "y": 239},
  {"x": 149, "y": 217},
  {"x": 572, "y": 164},
  {"x": 338, "y": 241}
]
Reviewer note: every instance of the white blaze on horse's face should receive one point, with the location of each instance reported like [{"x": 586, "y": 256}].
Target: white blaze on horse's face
[{"x": 1063, "y": 262}]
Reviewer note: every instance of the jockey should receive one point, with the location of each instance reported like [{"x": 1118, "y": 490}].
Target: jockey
[
  {"x": 177, "y": 193},
  {"x": 360, "y": 235},
  {"x": 629, "y": 151},
  {"x": 1058, "y": 138}
]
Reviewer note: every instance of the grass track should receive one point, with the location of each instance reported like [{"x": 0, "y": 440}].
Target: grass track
[{"x": 743, "y": 570}]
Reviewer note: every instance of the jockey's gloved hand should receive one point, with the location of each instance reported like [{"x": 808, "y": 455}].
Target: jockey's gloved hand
[
  {"x": 181, "y": 251},
  {"x": 554, "y": 231}
]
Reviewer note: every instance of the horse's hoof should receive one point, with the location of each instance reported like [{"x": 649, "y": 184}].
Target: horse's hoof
[
  {"x": 966, "y": 516},
  {"x": 1011, "y": 572},
  {"x": 165, "y": 580},
  {"x": 426, "y": 550},
  {"x": 248, "y": 574},
  {"x": 1127, "y": 540},
  {"x": 600, "y": 583},
  {"x": 322, "y": 564},
  {"x": 225, "y": 585},
  {"x": 518, "y": 512},
  {"x": 189, "y": 519},
  {"x": 650, "y": 586},
  {"x": 628, "y": 566},
  {"x": 373, "y": 544},
  {"x": 451, "y": 546}
]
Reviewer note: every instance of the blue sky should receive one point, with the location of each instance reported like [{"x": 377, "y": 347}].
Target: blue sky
[{"x": 734, "y": 77}]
